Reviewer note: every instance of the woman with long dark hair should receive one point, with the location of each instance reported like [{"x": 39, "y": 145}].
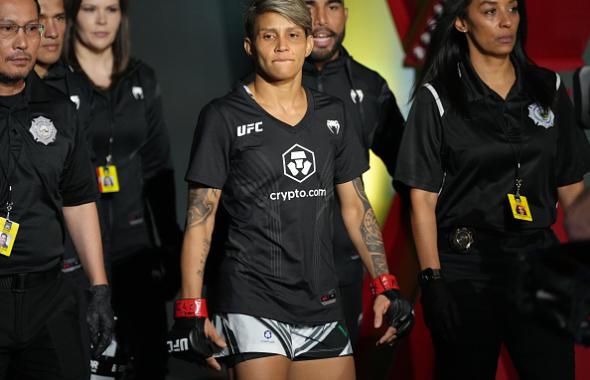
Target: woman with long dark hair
[
  {"x": 131, "y": 152},
  {"x": 491, "y": 145}
]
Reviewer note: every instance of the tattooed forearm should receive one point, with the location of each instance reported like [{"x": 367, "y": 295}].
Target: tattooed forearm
[
  {"x": 201, "y": 203},
  {"x": 370, "y": 231},
  {"x": 369, "y": 228},
  {"x": 379, "y": 264},
  {"x": 206, "y": 244}
]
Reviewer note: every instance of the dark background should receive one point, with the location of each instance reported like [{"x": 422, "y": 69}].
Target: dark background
[{"x": 195, "y": 47}]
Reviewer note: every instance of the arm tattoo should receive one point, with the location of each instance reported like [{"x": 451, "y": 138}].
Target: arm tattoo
[
  {"x": 203, "y": 259},
  {"x": 370, "y": 231},
  {"x": 200, "y": 205}
]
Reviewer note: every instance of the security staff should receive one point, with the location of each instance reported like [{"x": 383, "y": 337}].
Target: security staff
[
  {"x": 46, "y": 185},
  {"x": 372, "y": 110},
  {"x": 129, "y": 140},
  {"x": 491, "y": 145},
  {"x": 60, "y": 76}
]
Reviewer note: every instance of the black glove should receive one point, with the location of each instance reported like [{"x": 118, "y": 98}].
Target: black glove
[
  {"x": 187, "y": 341},
  {"x": 400, "y": 314},
  {"x": 100, "y": 318},
  {"x": 440, "y": 310}
]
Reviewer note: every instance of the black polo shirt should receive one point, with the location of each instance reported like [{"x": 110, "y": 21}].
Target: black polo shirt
[
  {"x": 468, "y": 159},
  {"x": 278, "y": 186},
  {"x": 48, "y": 169}
]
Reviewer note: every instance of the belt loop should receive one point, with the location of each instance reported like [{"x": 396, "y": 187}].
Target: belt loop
[{"x": 19, "y": 282}]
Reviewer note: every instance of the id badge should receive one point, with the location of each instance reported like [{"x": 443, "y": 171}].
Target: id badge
[
  {"x": 520, "y": 208},
  {"x": 8, "y": 231},
  {"x": 108, "y": 181}
]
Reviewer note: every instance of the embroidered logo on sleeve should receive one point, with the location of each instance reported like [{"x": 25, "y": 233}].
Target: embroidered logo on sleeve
[
  {"x": 540, "y": 116},
  {"x": 43, "y": 130}
]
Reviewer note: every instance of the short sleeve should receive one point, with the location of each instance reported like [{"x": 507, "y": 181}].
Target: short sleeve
[
  {"x": 210, "y": 152},
  {"x": 350, "y": 162},
  {"x": 573, "y": 150},
  {"x": 78, "y": 184},
  {"x": 419, "y": 162}
]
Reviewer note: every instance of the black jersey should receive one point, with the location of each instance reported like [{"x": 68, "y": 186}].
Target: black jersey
[
  {"x": 278, "y": 185},
  {"x": 45, "y": 161},
  {"x": 470, "y": 160}
]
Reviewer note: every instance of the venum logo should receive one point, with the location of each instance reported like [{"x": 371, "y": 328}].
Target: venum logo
[
  {"x": 298, "y": 163},
  {"x": 246, "y": 129},
  {"x": 357, "y": 95},
  {"x": 333, "y": 126},
  {"x": 137, "y": 92}
]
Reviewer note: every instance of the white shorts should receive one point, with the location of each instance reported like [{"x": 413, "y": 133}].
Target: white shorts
[{"x": 249, "y": 337}]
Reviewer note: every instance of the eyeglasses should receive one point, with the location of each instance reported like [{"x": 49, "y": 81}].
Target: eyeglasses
[{"x": 8, "y": 30}]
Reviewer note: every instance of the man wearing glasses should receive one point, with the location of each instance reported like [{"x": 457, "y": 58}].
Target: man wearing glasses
[{"x": 46, "y": 185}]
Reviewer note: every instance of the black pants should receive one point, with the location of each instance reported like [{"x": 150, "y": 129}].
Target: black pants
[
  {"x": 79, "y": 283},
  {"x": 480, "y": 284},
  {"x": 141, "y": 318},
  {"x": 40, "y": 333}
]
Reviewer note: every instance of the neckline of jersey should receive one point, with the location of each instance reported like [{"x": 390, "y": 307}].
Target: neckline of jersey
[{"x": 291, "y": 128}]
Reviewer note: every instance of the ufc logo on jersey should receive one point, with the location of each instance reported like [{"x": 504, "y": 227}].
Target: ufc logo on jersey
[
  {"x": 246, "y": 129},
  {"x": 178, "y": 345}
]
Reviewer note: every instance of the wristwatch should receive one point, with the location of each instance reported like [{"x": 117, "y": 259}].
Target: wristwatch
[{"x": 429, "y": 274}]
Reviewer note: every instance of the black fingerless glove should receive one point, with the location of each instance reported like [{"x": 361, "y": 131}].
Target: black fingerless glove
[
  {"x": 100, "y": 318},
  {"x": 399, "y": 314},
  {"x": 440, "y": 310},
  {"x": 187, "y": 340}
]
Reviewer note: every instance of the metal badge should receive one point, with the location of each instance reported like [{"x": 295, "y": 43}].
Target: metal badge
[
  {"x": 462, "y": 239},
  {"x": 43, "y": 130}
]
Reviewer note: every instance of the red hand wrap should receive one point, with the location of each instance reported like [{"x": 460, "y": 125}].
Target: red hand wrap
[
  {"x": 190, "y": 308},
  {"x": 383, "y": 283}
]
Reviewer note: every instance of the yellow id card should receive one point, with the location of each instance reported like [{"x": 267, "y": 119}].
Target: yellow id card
[
  {"x": 520, "y": 208},
  {"x": 108, "y": 181},
  {"x": 8, "y": 231}
]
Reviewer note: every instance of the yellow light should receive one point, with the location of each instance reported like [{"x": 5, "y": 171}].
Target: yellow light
[{"x": 371, "y": 38}]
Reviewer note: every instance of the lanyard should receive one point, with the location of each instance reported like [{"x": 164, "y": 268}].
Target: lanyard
[
  {"x": 6, "y": 172},
  {"x": 515, "y": 142}
]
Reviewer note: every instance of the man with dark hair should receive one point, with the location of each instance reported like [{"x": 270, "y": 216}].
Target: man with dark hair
[
  {"x": 370, "y": 107},
  {"x": 46, "y": 185},
  {"x": 57, "y": 74}
]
